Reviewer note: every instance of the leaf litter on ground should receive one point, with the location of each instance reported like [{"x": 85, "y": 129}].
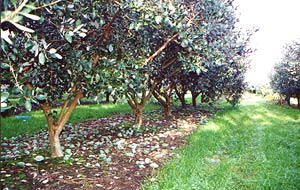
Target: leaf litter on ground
[{"x": 107, "y": 153}]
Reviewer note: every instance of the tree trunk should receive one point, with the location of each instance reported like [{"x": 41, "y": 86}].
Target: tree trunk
[
  {"x": 107, "y": 97},
  {"x": 167, "y": 107},
  {"x": 194, "y": 102},
  {"x": 167, "y": 110},
  {"x": 166, "y": 102},
  {"x": 183, "y": 102},
  {"x": 56, "y": 126},
  {"x": 194, "y": 99},
  {"x": 55, "y": 146},
  {"x": 138, "y": 113},
  {"x": 136, "y": 106},
  {"x": 181, "y": 97}
]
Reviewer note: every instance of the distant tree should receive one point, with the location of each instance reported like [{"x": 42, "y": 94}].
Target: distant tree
[{"x": 285, "y": 78}]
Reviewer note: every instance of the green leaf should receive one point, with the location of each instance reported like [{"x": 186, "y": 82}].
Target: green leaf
[
  {"x": 28, "y": 105},
  {"x": 110, "y": 48},
  {"x": 132, "y": 26},
  {"x": 68, "y": 37},
  {"x": 23, "y": 28},
  {"x": 42, "y": 58},
  {"x": 97, "y": 77},
  {"x": 6, "y": 3},
  {"x": 158, "y": 19},
  {"x": 58, "y": 56},
  {"x": 39, "y": 158},
  {"x": 184, "y": 43},
  {"x": 28, "y": 44},
  {"x": 78, "y": 22},
  {"x": 41, "y": 97},
  {"x": 4, "y": 66},
  {"x": 4, "y": 108},
  {"x": 4, "y": 96},
  {"x": 31, "y": 16}
]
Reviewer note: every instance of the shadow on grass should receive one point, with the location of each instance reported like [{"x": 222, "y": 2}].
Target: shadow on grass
[{"x": 253, "y": 146}]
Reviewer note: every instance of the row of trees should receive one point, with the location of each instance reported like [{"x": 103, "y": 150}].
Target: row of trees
[
  {"x": 127, "y": 48},
  {"x": 285, "y": 78}
]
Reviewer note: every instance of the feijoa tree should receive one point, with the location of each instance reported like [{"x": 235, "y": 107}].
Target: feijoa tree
[
  {"x": 215, "y": 63},
  {"x": 285, "y": 79},
  {"x": 145, "y": 29},
  {"x": 51, "y": 51}
]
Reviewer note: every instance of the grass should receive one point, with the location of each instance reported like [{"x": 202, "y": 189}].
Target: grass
[
  {"x": 254, "y": 146},
  {"x": 11, "y": 126}
]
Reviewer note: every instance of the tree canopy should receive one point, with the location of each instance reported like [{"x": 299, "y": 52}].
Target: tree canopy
[
  {"x": 54, "y": 50},
  {"x": 285, "y": 78}
]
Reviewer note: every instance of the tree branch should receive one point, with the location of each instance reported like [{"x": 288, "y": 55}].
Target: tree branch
[
  {"x": 15, "y": 12},
  {"x": 149, "y": 59},
  {"x": 47, "y": 5},
  {"x": 68, "y": 113},
  {"x": 107, "y": 28}
]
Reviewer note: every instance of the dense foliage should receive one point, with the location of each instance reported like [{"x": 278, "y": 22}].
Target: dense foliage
[
  {"x": 285, "y": 79},
  {"x": 54, "y": 50}
]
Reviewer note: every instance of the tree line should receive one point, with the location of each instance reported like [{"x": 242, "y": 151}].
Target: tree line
[{"x": 133, "y": 49}]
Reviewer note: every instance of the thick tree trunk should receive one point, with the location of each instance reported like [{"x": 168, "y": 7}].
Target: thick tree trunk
[
  {"x": 56, "y": 126},
  {"x": 167, "y": 110},
  {"x": 138, "y": 113},
  {"x": 56, "y": 150},
  {"x": 167, "y": 107}
]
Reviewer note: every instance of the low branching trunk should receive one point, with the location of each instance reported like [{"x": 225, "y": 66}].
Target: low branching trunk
[
  {"x": 164, "y": 98},
  {"x": 56, "y": 126},
  {"x": 181, "y": 96},
  {"x": 137, "y": 106}
]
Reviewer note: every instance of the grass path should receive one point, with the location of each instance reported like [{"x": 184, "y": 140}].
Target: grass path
[{"x": 256, "y": 146}]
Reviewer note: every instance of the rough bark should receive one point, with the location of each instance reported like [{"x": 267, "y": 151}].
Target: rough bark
[{"x": 56, "y": 126}]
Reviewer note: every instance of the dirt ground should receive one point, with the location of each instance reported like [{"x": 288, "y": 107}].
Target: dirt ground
[{"x": 108, "y": 153}]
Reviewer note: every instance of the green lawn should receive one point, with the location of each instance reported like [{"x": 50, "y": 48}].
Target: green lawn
[
  {"x": 256, "y": 146},
  {"x": 10, "y": 126}
]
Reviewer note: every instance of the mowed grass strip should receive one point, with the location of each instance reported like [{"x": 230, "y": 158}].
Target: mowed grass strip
[
  {"x": 254, "y": 146},
  {"x": 11, "y": 126}
]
